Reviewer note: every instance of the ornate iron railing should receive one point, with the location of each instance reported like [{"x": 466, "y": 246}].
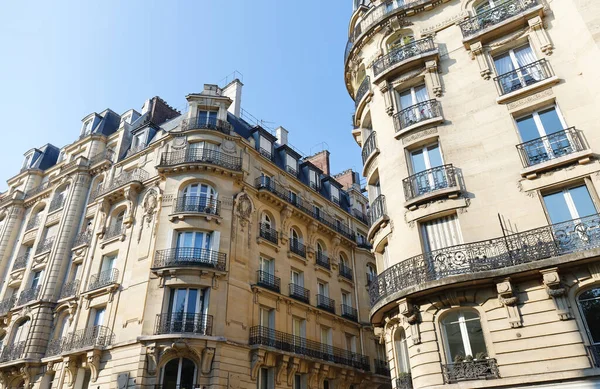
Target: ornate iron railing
[
  {"x": 84, "y": 237},
  {"x": 428, "y": 181},
  {"x": 69, "y": 289},
  {"x": 90, "y": 337},
  {"x": 323, "y": 260},
  {"x": 470, "y": 370},
  {"x": 300, "y": 293},
  {"x": 106, "y": 155},
  {"x": 56, "y": 203},
  {"x": 204, "y": 123},
  {"x": 377, "y": 209},
  {"x": 297, "y": 248},
  {"x": 124, "y": 178},
  {"x": 45, "y": 245},
  {"x": 523, "y": 76},
  {"x": 21, "y": 262},
  {"x": 360, "y": 216},
  {"x": 268, "y": 233},
  {"x": 349, "y": 312},
  {"x": 268, "y": 280},
  {"x": 381, "y": 367},
  {"x": 268, "y": 337},
  {"x": 363, "y": 243},
  {"x": 325, "y": 303},
  {"x": 113, "y": 230},
  {"x": 292, "y": 170},
  {"x": 369, "y": 146},
  {"x": 345, "y": 271},
  {"x": 198, "y": 204},
  {"x": 183, "y": 323},
  {"x": 404, "y": 382},
  {"x": 29, "y": 295},
  {"x": 33, "y": 222},
  {"x": 7, "y": 304},
  {"x": 135, "y": 149},
  {"x": 495, "y": 16},
  {"x": 13, "y": 351},
  {"x": 399, "y": 54},
  {"x": 594, "y": 351},
  {"x": 265, "y": 153},
  {"x": 555, "y": 145},
  {"x": 38, "y": 189},
  {"x": 417, "y": 113},
  {"x": 191, "y": 155},
  {"x": 365, "y": 86},
  {"x": 497, "y": 253},
  {"x": 190, "y": 257},
  {"x": 102, "y": 279},
  {"x": 54, "y": 346}
]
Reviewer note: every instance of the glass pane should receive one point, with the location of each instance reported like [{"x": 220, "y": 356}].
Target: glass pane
[
  {"x": 454, "y": 340},
  {"x": 583, "y": 201},
  {"x": 421, "y": 93},
  {"x": 170, "y": 374},
  {"x": 185, "y": 239},
  {"x": 550, "y": 121},
  {"x": 192, "y": 301},
  {"x": 452, "y": 317},
  {"x": 591, "y": 312},
  {"x": 179, "y": 303},
  {"x": 590, "y": 294},
  {"x": 406, "y": 99},
  {"x": 418, "y": 161},
  {"x": 527, "y": 129},
  {"x": 557, "y": 208},
  {"x": 524, "y": 55},
  {"x": 435, "y": 157},
  {"x": 476, "y": 338}
]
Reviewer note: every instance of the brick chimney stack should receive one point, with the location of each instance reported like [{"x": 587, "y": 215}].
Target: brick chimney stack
[
  {"x": 320, "y": 160},
  {"x": 347, "y": 178}
]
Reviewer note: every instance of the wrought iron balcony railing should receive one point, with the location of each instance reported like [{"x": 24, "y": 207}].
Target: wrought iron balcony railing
[
  {"x": 198, "y": 204},
  {"x": 555, "y": 145},
  {"x": 300, "y": 293},
  {"x": 523, "y": 76},
  {"x": 268, "y": 337},
  {"x": 323, "y": 260},
  {"x": 268, "y": 233},
  {"x": 192, "y": 155},
  {"x": 57, "y": 203},
  {"x": 363, "y": 243},
  {"x": 45, "y": 245},
  {"x": 470, "y": 370},
  {"x": 190, "y": 257},
  {"x": 265, "y": 153},
  {"x": 69, "y": 289},
  {"x": 370, "y": 278},
  {"x": 127, "y": 177},
  {"x": 84, "y": 237},
  {"x": 360, "y": 216},
  {"x": 428, "y": 181},
  {"x": 20, "y": 262},
  {"x": 594, "y": 351},
  {"x": 106, "y": 155},
  {"x": 417, "y": 113},
  {"x": 90, "y": 337},
  {"x": 54, "y": 346},
  {"x": 377, "y": 209},
  {"x": 29, "y": 295},
  {"x": 183, "y": 323},
  {"x": 381, "y": 367},
  {"x": 38, "y": 189},
  {"x": 204, "y": 123},
  {"x": 7, "y": 304},
  {"x": 102, "y": 279},
  {"x": 325, "y": 303},
  {"x": 13, "y": 351},
  {"x": 292, "y": 170},
  {"x": 114, "y": 230},
  {"x": 34, "y": 222},
  {"x": 494, "y": 16},
  {"x": 404, "y": 382},
  {"x": 363, "y": 89},
  {"x": 399, "y": 54},
  {"x": 498, "y": 253},
  {"x": 297, "y": 248},
  {"x": 349, "y": 312},
  {"x": 268, "y": 281},
  {"x": 345, "y": 271},
  {"x": 369, "y": 146},
  {"x": 135, "y": 149}
]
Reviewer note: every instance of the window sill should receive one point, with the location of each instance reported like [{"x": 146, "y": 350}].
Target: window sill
[
  {"x": 506, "y": 98},
  {"x": 183, "y": 215},
  {"x": 268, "y": 243},
  {"x": 421, "y": 124},
  {"x": 582, "y": 158}
]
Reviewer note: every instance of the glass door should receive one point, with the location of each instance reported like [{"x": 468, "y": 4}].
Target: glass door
[
  {"x": 544, "y": 136},
  {"x": 187, "y": 307},
  {"x": 194, "y": 246},
  {"x": 200, "y": 198},
  {"x": 517, "y": 59},
  {"x": 410, "y": 105},
  {"x": 425, "y": 161}
]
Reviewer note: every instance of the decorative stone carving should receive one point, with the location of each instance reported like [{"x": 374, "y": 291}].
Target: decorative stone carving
[
  {"x": 478, "y": 55},
  {"x": 388, "y": 98},
  {"x": 243, "y": 208},
  {"x": 258, "y": 359},
  {"x": 286, "y": 216},
  {"x": 558, "y": 292},
  {"x": 434, "y": 77},
  {"x": 150, "y": 206},
  {"x": 151, "y": 359},
  {"x": 540, "y": 34},
  {"x": 508, "y": 299},
  {"x": 313, "y": 376},
  {"x": 413, "y": 317},
  {"x": 431, "y": 30},
  {"x": 419, "y": 134},
  {"x": 208, "y": 354},
  {"x": 93, "y": 363},
  {"x": 529, "y": 99},
  {"x": 281, "y": 372},
  {"x": 228, "y": 147},
  {"x": 70, "y": 365},
  {"x": 294, "y": 365},
  {"x": 131, "y": 198}
]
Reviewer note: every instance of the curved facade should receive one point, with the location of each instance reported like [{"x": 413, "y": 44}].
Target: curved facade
[{"x": 477, "y": 122}]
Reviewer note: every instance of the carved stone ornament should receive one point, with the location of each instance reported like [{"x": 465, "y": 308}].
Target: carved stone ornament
[
  {"x": 150, "y": 206},
  {"x": 558, "y": 292},
  {"x": 413, "y": 317},
  {"x": 151, "y": 359},
  {"x": 508, "y": 299},
  {"x": 208, "y": 354},
  {"x": 93, "y": 363},
  {"x": 478, "y": 55},
  {"x": 228, "y": 147},
  {"x": 281, "y": 372},
  {"x": 294, "y": 365},
  {"x": 258, "y": 359}
]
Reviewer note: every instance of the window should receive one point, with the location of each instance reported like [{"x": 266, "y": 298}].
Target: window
[
  {"x": 267, "y": 317},
  {"x": 86, "y": 129},
  {"x": 98, "y": 318},
  {"x": 386, "y": 257},
  {"x": 402, "y": 38},
  {"x": 297, "y": 277},
  {"x": 291, "y": 164},
  {"x": 188, "y": 308},
  {"x": 568, "y": 204},
  {"x": 267, "y": 265},
  {"x": 320, "y": 251},
  {"x": 300, "y": 381},
  {"x": 544, "y": 136},
  {"x": 21, "y": 332},
  {"x": 486, "y": 5},
  {"x": 266, "y": 378},
  {"x": 194, "y": 240},
  {"x": 323, "y": 288},
  {"x": 589, "y": 306},
  {"x": 402, "y": 359},
  {"x": 427, "y": 159},
  {"x": 200, "y": 147},
  {"x": 410, "y": 105},
  {"x": 108, "y": 263},
  {"x": 126, "y": 119},
  {"x": 295, "y": 236},
  {"x": 139, "y": 139},
  {"x": 317, "y": 211},
  {"x": 346, "y": 299},
  {"x": 351, "y": 343},
  {"x": 200, "y": 198},
  {"x": 463, "y": 335},
  {"x": 116, "y": 224},
  {"x": 335, "y": 194},
  {"x": 299, "y": 327},
  {"x": 27, "y": 161},
  {"x": 293, "y": 197},
  {"x": 517, "y": 59},
  {"x": 266, "y": 221},
  {"x": 314, "y": 179},
  {"x": 440, "y": 233},
  {"x": 36, "y": 279},
  {"x": 179, "y": 373},
  {"x": 207, "y": 118},
  {"x": 265, "y": 146},
  {"x": 327, "y": 339}
]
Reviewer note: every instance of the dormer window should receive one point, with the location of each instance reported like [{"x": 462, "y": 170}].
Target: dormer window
[
  {"x": 291, "y": 164},
  {"x": 86, "y": 129},
  {"x": 314, "y": 180},
  {"x": 27, "y": 161},
  {"x": 126, "y": 119},
  {"x": 139, "y": 139},
  {"x": 335, "y": 195},
  {"x": 265, "y": 147},
  {"x": 207, "y": 118}
]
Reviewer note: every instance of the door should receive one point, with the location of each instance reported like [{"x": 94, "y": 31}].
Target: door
[
  {"x": 439, "y": 234},
  {"x": 187, "y": 308},
  {"x": 299, "y": 334},
  {"x": 427, "y": 172},
  {"x": 543, "y": 136},
  {"x": 297, "y": 278},
  {"x": 517, "y": 59},
  {"x": 194, "y": 246},
  {"x": 412, "y": 111}
]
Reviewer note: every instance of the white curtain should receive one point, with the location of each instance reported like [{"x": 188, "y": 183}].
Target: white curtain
[
  {"x": 442, "y": 232},
  {"x": 525, "y": 57}
]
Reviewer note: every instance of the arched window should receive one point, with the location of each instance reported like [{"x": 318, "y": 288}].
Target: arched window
[
  {"x": 200, "y": 198},
  {"x": 589, "y": 305},
  {"x": 266, "y": 221},
  {"x": 486, "y": 5},
  {"x": 399, "y": 39},
  {"x": 295, "y": 235},
  {"x": 21, "y": 332},
  {"x": 116, "y": 225},
  {"x": 320, "y": 251},
  {"x": 402, "y": 361},
  {"x": 463, "y": 335},
  {"x": 179, "y": 373}
]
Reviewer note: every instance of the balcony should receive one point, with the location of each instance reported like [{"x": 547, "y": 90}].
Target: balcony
[
  {"x": 382, "y": 367},
  {"x": 29, "y": 295},
  {"x": 97, "y": 337},
  {"x": 57, "y": 203},
  {"x": 323, "y": 260},
  {"x": 268, "y": 233},
  {"x": 83, "y": 238},
  {"x": 183, "y": 323},
  {"x": 345, "y": 271},
  {"x": 45, "y": 245},
  {"x": 264, "y": 336},
  {"x": 594, "y": 351},
  {"x": 190, "y": 257},
  {"x": 268, "y": 281},
  {"x": 500, "y": 16},
  {"x": 297, "y": 248},
  {"x": 349, "y": 312},
  {"x": 7, "y": 304},
  {"x": 113, "y": 231},
  {"x": 523, "y": 78},
  {"x": 37, "y": 190},
  {"x": 34, "y": 222},
  {"x": 484, "y": 369},
  {"x": 103, "y": 279},
  {"x": 416, "y": 116},
  {"x": 107, "y": 155},
  {"x": 266, "y": 153},
  {"x": 300, "y": 293},
  {"x": 397, "y": 58},
  {"x": 69, "y": 289},
  {"x": 198, "y": 204},
  {"x": 292, "y": 170},
  {"x": 125, "y": 178},
  {"x": 363, "y": 89},
  {"x": 377, "y": 215},
  {"x": 470, "y": 259},
  {"x": 20, "y": 262},
  {"x": 201, "y": 156},
  {"x": 203, "y": 123},
  {"x": 360, "y": 216},
  {"x": 325, "y": 303},
  {"x": 13, "y": 352},
  {"x": 429, "y": 184},
  {"x": 404, "y": 381},
  {"x": 559, "y": 148},
  {"x": 369, "y": 150}
]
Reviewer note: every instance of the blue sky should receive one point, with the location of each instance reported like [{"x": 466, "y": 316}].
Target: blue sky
[{"x": 65, "y": 59}]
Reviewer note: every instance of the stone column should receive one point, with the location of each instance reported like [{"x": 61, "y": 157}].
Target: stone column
[{"x": 9, "y": 234}]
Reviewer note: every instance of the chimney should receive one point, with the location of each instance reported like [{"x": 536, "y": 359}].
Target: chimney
[
  {"x": 147, "y": 107},
  {"x": 347, "y": 178},
  {"x": 233, "y": 90},
  {"x": 320, "y": 160},
  {"x": 282, "y": 135}
]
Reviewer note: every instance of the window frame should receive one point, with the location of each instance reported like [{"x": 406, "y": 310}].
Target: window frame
[
  {"x": 590, "y": 338},
  {"x": 464, "y": 333},
  {"x": 538, "y": 123},
  {"x": 590, "y": 188}
]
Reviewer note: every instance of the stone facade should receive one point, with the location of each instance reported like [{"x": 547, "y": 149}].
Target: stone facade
[{"x": 486, "y": 254}]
